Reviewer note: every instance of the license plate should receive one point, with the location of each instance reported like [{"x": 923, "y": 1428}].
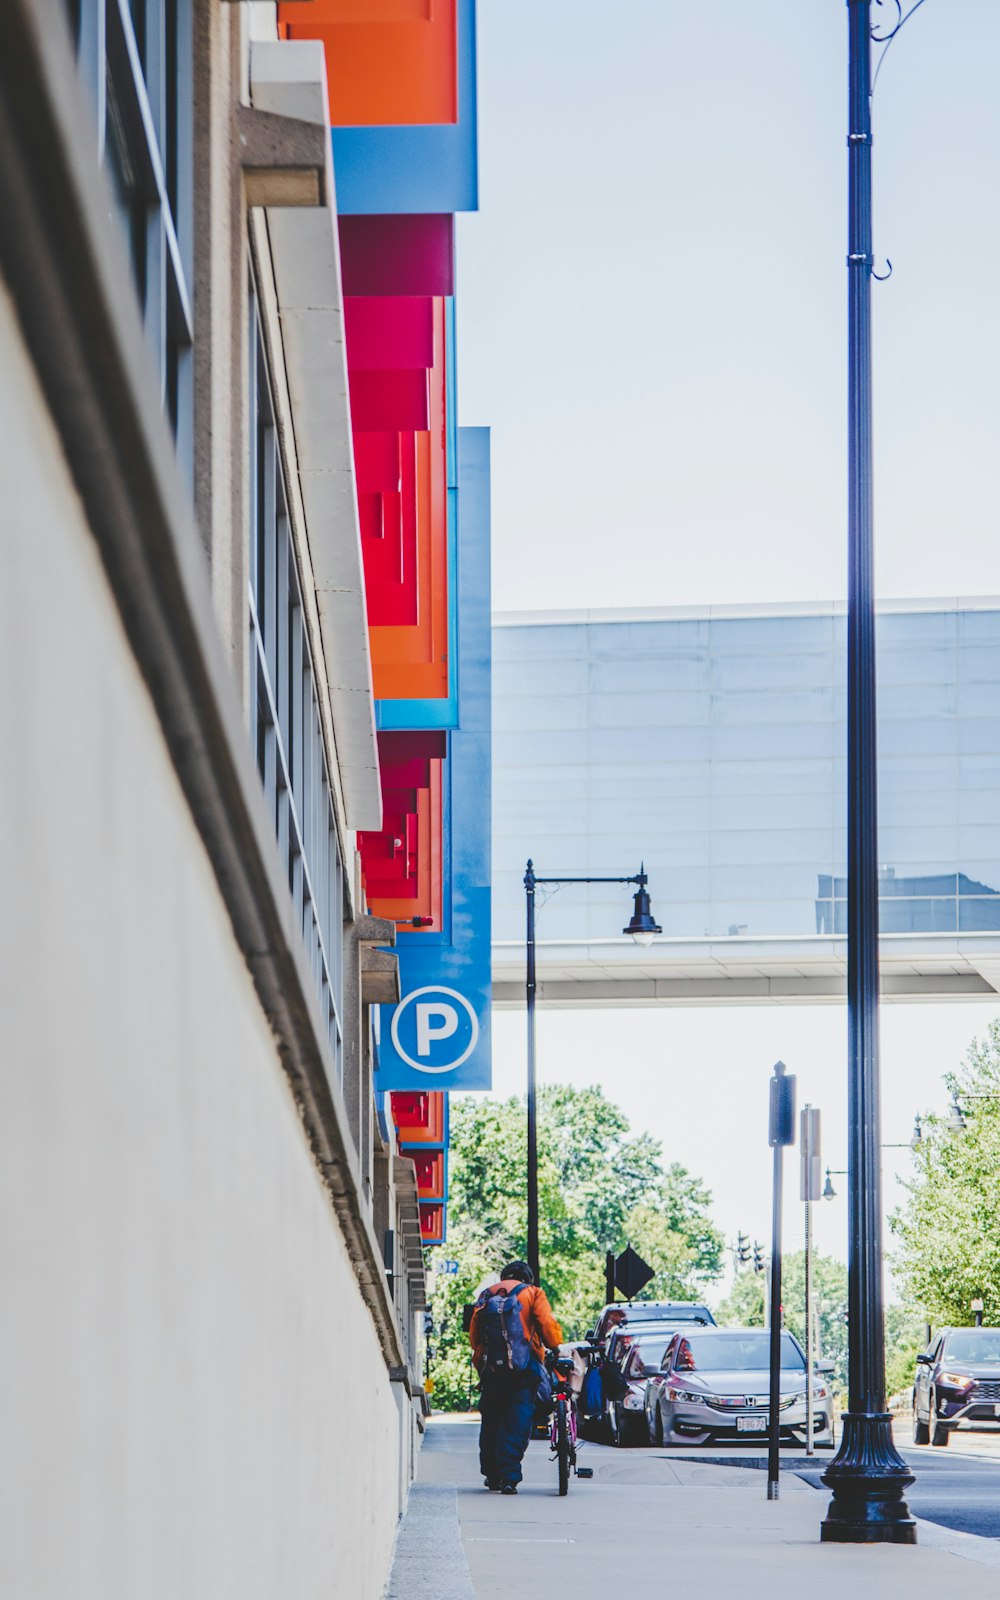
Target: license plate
[{"x": 751, "y": 1424}]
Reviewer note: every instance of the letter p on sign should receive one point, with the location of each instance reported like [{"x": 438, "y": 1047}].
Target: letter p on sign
[{"x": 428, "y": 1029}]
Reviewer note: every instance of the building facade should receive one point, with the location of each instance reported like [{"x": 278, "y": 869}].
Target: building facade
[
  {"x": 241, "y": 533},
  {"x": 711, "y": 745}
]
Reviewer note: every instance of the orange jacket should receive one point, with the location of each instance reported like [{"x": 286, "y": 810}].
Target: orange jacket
[{"x": 540, "y": 1326}]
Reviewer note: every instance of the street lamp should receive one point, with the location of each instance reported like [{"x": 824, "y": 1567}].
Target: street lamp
[
  {"x": 868, "y": 1476},
  {"x": 642, "y": 929},
  {"x": 912, "y": 1143}
]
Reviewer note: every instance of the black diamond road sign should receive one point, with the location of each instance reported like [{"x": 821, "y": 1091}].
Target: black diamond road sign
[{"x": 631, "y": 1273}]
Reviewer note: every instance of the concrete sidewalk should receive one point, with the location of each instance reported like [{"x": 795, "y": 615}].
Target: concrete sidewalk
[{"x": 646, "y": 1519}]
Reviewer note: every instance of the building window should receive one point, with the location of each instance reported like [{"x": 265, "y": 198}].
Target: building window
[
  {"x": 135, "y": 58},
  {"x": 284, "y": 708}
]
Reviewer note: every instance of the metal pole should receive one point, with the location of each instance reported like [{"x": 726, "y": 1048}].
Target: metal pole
[
  {"x": 810, "y": 1351},
  {"x": 774, "y": 1402},
  {"x": 868, "y": 1476},
  {"x": 529, "y": 894}
]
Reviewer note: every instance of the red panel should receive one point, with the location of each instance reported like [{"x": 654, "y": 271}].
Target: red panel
[
  {"x": 410, "y": 1110},
  {"x": 376, "y": 462},
  {"x": 390, "y": 548},
  {"x": 433, "y": 1133},
  {"x": 431, "y": 1222},
  {"x": 389, "y": 330},
  {"x": 398, "y": 255},
  {"x": 430, "y": 1173},
  {"x": 392, "y": 401}
]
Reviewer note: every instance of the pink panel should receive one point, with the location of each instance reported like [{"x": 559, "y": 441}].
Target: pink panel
[
  {"x": 397, "y": 401},
  {"x": 389, "y": 331}
]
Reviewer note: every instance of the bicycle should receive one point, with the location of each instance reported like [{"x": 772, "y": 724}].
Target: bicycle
[{"x": 562, "y": 1428}]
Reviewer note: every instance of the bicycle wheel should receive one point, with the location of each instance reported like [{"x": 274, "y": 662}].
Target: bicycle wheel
[{"x": 562, "y": 1446}]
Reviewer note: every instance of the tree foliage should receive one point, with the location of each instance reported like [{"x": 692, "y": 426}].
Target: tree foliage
[
  {"x": 948, "y": 1240},
  {"x": 600, "y": 1187},
  {"x": 744, "y": 1306}
]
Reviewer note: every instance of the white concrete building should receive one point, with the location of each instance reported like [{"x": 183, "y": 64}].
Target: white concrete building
[{"x": 210, "y": 1261}]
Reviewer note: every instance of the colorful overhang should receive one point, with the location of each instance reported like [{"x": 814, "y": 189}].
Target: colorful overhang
[
  {"x": 439, "y": 1034},
  {"x": 387, "y": 61},
  {"x": 398, "y": 414},
  {"x": 425, "y": 166},
  {"x": 402, "y": 863}
]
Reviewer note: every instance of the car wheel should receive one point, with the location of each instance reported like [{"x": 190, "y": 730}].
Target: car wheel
[
  {"x": 921, "y": 1431},
  {"x": 658, "y": 1434},
  {"x": 636, "y": 1434}
]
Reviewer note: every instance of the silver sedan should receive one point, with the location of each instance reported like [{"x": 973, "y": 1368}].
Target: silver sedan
[{"x": 713, "y": 1384}]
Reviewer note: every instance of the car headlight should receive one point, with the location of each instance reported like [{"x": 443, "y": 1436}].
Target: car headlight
[
  {"x": 633, "y": 1401},
  {"x": 955, "y": 1380},
  {"x": 686, "y": 1397}
]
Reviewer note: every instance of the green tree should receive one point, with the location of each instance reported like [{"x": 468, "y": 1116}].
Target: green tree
[
  {"x": 600, "y": 1187},
  {"x": 948, "y": 1242}
]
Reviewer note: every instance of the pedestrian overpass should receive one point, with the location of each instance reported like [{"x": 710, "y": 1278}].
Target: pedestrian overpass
[{"x": 710, "y": 744}]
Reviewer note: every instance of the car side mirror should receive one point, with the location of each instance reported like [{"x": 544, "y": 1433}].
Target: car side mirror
[
  {"x": 826, "y": 1367},
  {"x": 925, "y": 1361},
  {"x": 592, "y": 1335}
]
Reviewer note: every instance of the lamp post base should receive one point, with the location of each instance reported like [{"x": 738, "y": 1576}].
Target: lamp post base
[{"x": 868, "y": 1476}]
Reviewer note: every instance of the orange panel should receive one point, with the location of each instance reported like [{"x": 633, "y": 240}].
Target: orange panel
[
  {"x": 388, "y": 62},
  {"x": 411, "y": 662}
]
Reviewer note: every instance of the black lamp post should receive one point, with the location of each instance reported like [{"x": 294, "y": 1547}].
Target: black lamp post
[
  {"x": 868, "y": 1475},
  {"x": 642, "y": 928}
]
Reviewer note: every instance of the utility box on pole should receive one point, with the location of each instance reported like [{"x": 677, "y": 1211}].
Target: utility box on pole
[
  {"x": 810, "y": 1189},
  {"x": 811, "y": 1164}
]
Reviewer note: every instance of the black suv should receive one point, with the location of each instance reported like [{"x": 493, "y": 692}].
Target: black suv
[{"x": 957, "y": 1380}]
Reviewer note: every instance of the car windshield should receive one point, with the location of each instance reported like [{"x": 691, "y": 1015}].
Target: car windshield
[
  {"x": 978, "y": 1344},
  {"x": 661, "y": 1313},
  {"x": 729, "y": 1352},
  {"x": 647, "y": 1354}
]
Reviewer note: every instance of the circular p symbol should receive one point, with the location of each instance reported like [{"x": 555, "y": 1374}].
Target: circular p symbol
[{"x": 434, "y": 1029}]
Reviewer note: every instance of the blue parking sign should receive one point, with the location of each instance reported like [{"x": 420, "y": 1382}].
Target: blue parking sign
[{"x": 434, "y": 1029}]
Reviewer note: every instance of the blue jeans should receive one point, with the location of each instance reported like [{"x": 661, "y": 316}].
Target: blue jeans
[{"x": 507, "y": 1408}]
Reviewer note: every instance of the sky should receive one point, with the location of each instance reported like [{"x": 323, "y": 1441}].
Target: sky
[
  {"x": 652, "y": 301},
  {"x": 652, "y": 320}
]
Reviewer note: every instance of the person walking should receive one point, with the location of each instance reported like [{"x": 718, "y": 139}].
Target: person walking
[{"x": 511, "y": 1328}]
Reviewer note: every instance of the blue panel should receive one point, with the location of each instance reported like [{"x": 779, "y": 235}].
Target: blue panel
[
  {"x": 431, "y": 167},
  {"x": 438, "y": 1037}
]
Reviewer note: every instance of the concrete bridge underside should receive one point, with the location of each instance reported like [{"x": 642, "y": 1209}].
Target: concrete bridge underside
[{"x": 744, "y": 971}]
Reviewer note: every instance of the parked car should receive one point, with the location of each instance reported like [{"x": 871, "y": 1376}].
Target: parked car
[
  {"x": 670, "y": 1312},
  {"x": 714, "y": 1384},
  {"x": 957, "y": 1382},
  {"x": 637, "y": 1353}
]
